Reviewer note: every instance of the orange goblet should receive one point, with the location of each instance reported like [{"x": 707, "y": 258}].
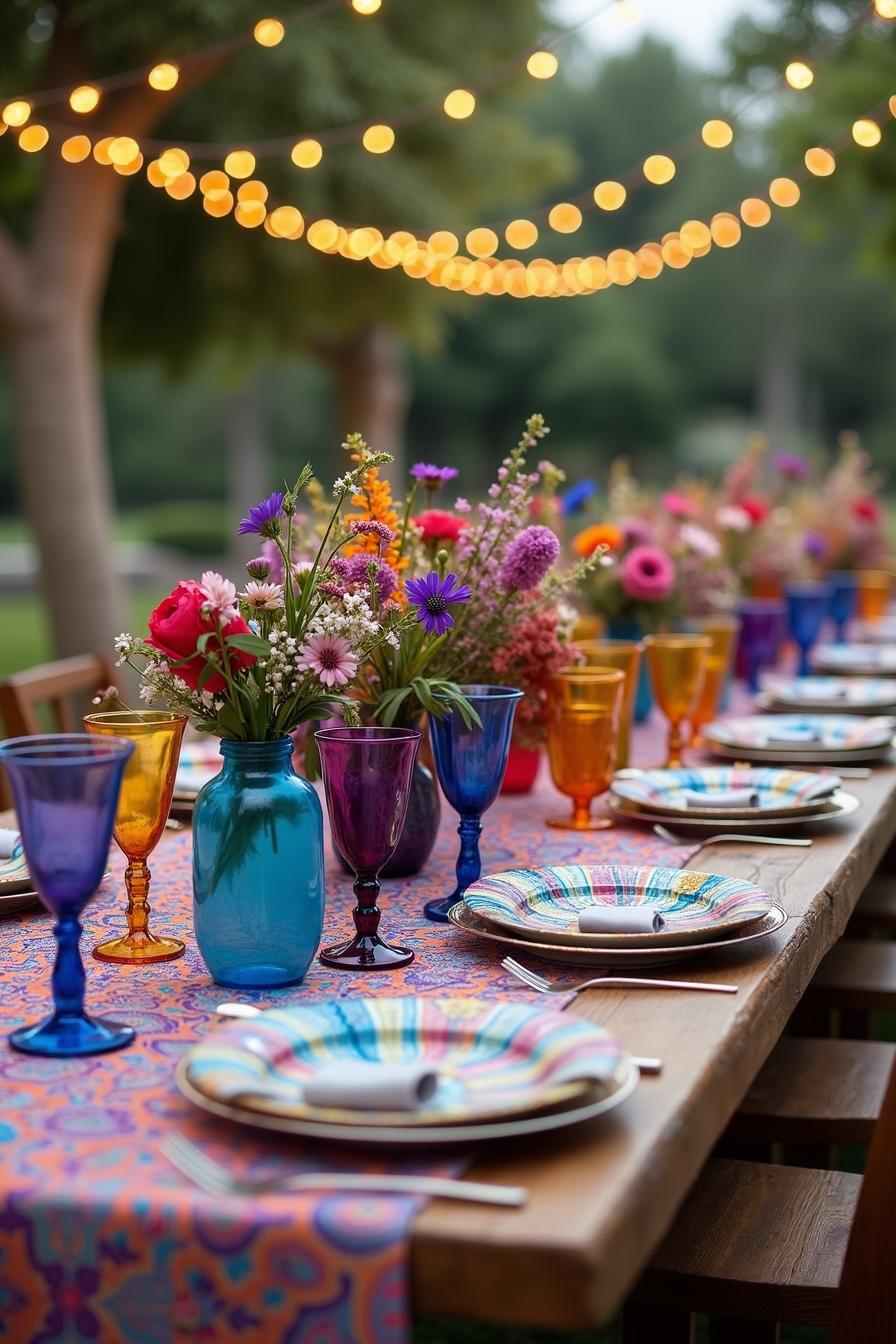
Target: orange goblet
[
  {"x": 625, "y": 656},
  {"x": 676, "y": 664},
  {"x": 583, "y": 721},
  {"x": 143, "y": 805},
  {"x": 872, "y": 594},
  {"x": 721, "y": 631}
]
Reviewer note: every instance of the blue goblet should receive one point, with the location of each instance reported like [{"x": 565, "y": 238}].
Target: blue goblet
[
  {"x": 844, "y": 586},
  {"x": 807, "y": 610},
  {"x": 65, "y": 787},
  {"x": 761, "y": 625},
  {"x": 470, "y": 763}
]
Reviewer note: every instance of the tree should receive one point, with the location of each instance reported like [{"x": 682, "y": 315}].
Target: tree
[{"x": 183, "y": 280}]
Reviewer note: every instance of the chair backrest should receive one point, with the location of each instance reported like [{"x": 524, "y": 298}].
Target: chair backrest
[
  {"x": 865, "y": 1310},
  {"x": 52, "y": 687}
]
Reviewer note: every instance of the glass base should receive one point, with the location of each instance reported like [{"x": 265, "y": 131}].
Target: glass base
[
  {"x": 257, "y": 977},
  {"x": 61, "y": 1036},
  {"x": 571, "y": 824},
  {"x": 438, "y": 910},
  {"x": 366, "y": 952},
  {"x": 132, "y": 948}
]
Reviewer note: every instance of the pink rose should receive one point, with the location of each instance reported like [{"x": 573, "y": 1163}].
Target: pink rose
[
  {"x": 647, "y": 574},
  {"x": 175, "y": 627}
]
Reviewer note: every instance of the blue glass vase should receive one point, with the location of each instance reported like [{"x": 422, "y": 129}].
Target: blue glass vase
[
  {"x": 470, "y": 763},
  {"x": 258, "y": 868},
  {"x": 629, "y": 629}
]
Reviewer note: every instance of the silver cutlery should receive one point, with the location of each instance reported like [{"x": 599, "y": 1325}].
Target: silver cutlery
[
  {"x": 542, "y": 986},
  {"x": 645, "y": 1063},
  {"x": 217, "y": 1180},
  {"x": 734, "y": 837}
]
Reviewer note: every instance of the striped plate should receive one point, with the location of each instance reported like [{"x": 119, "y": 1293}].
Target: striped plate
[
  {"x": 789, "y": 791},
  {"x": 493, "y": 1059},
  {"x": 543, "y": 904},
  {"x": 858, "y": 695},
  {"x": 825, "y": 734},
  {"x": 14, "y": 870},
  {"x": 876, "y": 660}
]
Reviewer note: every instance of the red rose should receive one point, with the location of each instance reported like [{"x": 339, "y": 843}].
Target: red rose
[
  {"x": 437, "y": 525},
  {"x": 755, "y": 507},
  {"x": 175, "y": 627},
  {"x": 867, "y": 509}
]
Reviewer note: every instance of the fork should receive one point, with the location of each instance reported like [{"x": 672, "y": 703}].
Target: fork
[
  {"x": 665, "y": 834},
  {"x": 217, "y": 1180},
  {"x": 538, "y": 982}
]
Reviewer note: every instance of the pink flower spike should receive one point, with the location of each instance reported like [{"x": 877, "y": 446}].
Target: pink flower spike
[
  {"x": 220, "y": 595},
  {"x": 330, "y": 658}
]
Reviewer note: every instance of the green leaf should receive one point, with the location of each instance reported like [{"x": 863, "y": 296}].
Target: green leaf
[
  {"x": 205, "y": 676},
  {"x": 249, "y": 644}
]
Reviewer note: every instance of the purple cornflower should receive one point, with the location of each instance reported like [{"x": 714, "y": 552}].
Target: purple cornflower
[
  {"x": 264, "y": 518},
  {"x": 528, "y": 558},
  {"x": 793, "y": 466},
  {"x": 433, "y": 596},
  {"x": 356, "y": 569},
  {"x": 431, "y": 476},
  {"x": 259, "y": 568},
  {"x": 370, "y": 527},
  {"x": 815, "y": 545}
]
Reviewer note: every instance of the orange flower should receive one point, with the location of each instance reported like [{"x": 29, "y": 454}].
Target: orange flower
[
  {"x": 600, "y": 534},
  {"x": 374, "y": 501}
]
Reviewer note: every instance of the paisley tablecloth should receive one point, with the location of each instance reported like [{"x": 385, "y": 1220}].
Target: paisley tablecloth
[{"x": 101, "y": 1240}]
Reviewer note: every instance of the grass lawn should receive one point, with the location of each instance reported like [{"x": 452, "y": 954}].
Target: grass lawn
[{"x": 25, "y": 634}]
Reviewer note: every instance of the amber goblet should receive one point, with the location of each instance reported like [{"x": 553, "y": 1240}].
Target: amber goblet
[
  {"x": 143, "y": 806},
  {"x": 721, "y": 631},
  {"x": 583, "y": 712},
  {"x": 872, "y": 594},
  {"x": 625, "y": 656},
  {"x": 676, "y": 664}
]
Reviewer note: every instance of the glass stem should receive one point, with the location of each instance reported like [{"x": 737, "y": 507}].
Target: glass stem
[
  {"x": 582, "y": 812},
  {"x": 469, "y": 865},
  {"x": 675, "y": 745},
  {"x": 136, "y": 880},
  {"x": 68, "y": 972},
  {"x": 366, "y": 913}
]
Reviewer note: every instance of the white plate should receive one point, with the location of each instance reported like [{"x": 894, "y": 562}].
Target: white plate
[
  {"x": 854, "y": 660},
  {"x": 864, "y": 695},
  {"x": 12, "y": 902},
  {"x": 433, "y": 1136},
  {"x": 840, "y": 804},
  {"x": 618, "y": 960},
  {"x": 782, "y": 756}
]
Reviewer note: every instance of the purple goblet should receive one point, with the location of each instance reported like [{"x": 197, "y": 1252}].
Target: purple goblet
[
  {"x": 367, "y": 778},
  {"x": 761, "y": 628}
]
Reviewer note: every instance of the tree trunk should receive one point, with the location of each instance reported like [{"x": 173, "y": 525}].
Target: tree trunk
[
  {"x": 374, "y": 393},
  {"x": 779, "y": 359},
  {"x": 64, "y": 476}
]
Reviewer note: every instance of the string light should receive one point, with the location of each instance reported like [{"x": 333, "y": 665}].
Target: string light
[
  {"x": 286, "y": 222},
  {"x": 218, "y": 205},
  {"x": 101, "y": 151},
  {"x": 16, "y": 113},
  {"x": 322, "y": 234},
  {"x": 173, "y": 162},
  {"x": 565, "y": 218},
  {"x": 725, "y": 229},
  {"x": 163, "y": 77},
  {"x": 717, "y": 134},
  {"x": 658, "y": 169},
  {"x": 132, "y": 166},
  {"x": 481, "y": 242},
  {"x": 542, "y": 65},
  {"x": 755, "y": 212},
  {"x": 252, "y": 191},
  {"x": 366, "y": 6},
  {"x": 33, "y": 137},
  {"x": 784, "y": 191},
  {"x": 84, "y": 98},
  {"x": 214, "y": 183},
  {"x": 75, "y": 149},
  {"x": 459, "y": 103},
  {"x": 180, "y": 187},
  {"x": 250, "y": 214},
  {"x": 240, "y": 163},
  {"x": 521, "y": 233},
  {"x": 609, "y": 195},
  {"x": 307, "y": 153},
  {"x": 820, "y": 162},
  {"x": 885, "y": 9},
  {"x": 268, "y": 32},
  {"x": 378, "y": 139},
  {"x": 866, "y": 133},
  {"x": 799, "y": 75},
  {"x": 892, "y": 102},
  {"x": 123, "y": 149}
]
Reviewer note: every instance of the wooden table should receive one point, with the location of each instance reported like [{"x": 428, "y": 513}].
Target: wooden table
[{"x": 603, "y": 1196}]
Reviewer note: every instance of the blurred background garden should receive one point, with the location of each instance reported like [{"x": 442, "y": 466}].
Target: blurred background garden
[{"x": 164, "y": 368}]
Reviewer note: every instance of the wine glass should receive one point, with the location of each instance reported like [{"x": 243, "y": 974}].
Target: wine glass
[
  {"x": 807, "y": 609},
  {"x": 625, "y": 656},
  {"x": 584, "y": 707},
  {"x": 844, "y": 594},
  {"x": 470, "y": 763},
  {"x": 761, "y": 620},
  {"x": 65, "y": 787},
  {"x": 367, "y": 779},
  {"x": 676, "y": 664},
  {"x": 142, "y": 812},
  {"x": 873, "y": 594},
  {"x": 721, "y": 632}
]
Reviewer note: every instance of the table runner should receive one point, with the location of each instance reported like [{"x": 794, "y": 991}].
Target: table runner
[{"x": 100, "y": 1239}]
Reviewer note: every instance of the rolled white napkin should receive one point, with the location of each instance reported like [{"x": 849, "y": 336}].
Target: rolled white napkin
[
  {"x": 792, "y": 737},
  {"x": 720, "y": 798},
  {"x": 8, "y": 842},
  {"x": 359, "y": 1086},
  {"x": 620, "y": 919},
  {"x": 821, "y": 788}
]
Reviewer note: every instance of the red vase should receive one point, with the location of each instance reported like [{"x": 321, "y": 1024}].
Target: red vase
[{"x": 522, "y": 769}]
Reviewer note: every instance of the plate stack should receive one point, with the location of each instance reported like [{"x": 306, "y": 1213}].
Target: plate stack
[
  {"x": 400, "y": 1072},
  {"x": 729, "y": 797},
  {"x": 858, "y": 695},
  {"x": 16, "y": 887},
  {"x": 612, "y": 915},
  {"x": 802, "y": 739},
  {"x": 854, "y": 660},
  {"x": 199, "y": 762}
]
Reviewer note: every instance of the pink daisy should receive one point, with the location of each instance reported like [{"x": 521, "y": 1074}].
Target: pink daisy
[
  {"x": 263, "y": 596},
  {"x": 330, "y": 657},
  {"x": 220, "y": 595}
]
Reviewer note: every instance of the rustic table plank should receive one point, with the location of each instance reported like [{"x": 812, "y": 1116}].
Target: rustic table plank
[{"x": 603, "y": 1197}]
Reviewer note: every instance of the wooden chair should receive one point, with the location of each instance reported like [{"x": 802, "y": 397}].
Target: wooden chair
[
  {"x": 875, "y": 913},
  {"x": 756, "y": 1244},
  {"x": 54, "y": 686}
]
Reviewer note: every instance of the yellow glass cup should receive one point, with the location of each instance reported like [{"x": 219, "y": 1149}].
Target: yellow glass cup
[
  {"x": 676, "y": 664},
  {"x": 583, "y": 722},
  {"x": 625, "y": 656},
  {"x": 143, "y": 806},
  {"x": 872, "y": 594},
  {"x": 721, "y": 631}
]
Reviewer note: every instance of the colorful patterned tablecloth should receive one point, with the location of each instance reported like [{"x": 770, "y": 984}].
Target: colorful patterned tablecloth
[{"x": 101, "y": 1240}]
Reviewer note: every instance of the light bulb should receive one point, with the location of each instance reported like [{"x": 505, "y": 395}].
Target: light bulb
[
  {"x": 240, "y": 163},
  {"x": 784, "y": 191},
  {"x": 252, "y": 191},
  {"x": 32, "y": 138},
  {"x": 84, "y": 98},
  {"x": 378, "y": 139},
  {"x": 75, "y": 149},
  {"x": 659, "y": 169},
  {"x": 307, "y": 153},
  {"x": 286, "y": 222},
  {"x": 173, "y": 162},
  {"x": 366, "y": 6},
  {"x": 755, "y": 211},
  {"x": 163, "y": 77},
  {"x": 481, "y": 242},
  {"x": 521, "y": 233},
  {"x": 609, "y": 195},
  {"x": 17, "y": 112},
  {"x": 542, "y": 65},
  {"x": 820, "y": 161},
  {"x": 799, "y": 75},
  {"x": 123, "y": 149},
  {"x": 866, "y": 133},
  {"x": 459, "y": 103},
  {"x": 717, "y": 134},
  {"x": 268, "y": 32},
  {"x": 180, "y": 187}
]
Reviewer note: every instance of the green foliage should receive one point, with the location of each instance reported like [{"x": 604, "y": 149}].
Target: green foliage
[{"x": 195, "y": 527}]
